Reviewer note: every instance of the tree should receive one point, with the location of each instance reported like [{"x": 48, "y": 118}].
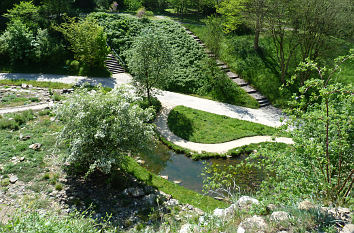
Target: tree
[
  {"x": 150, "y": 61},
  {"x": 18, "y": 42},
  {"x": 87, "y": 40},
  {"x": 181, "y": 6},
  {"x": 319, "y": 164},
  {"x": 56, "y": 8},
  {"x": 99, "y": 128},
  {"x": 26, "y": 12},
  {"x": 235, "y": 12}
]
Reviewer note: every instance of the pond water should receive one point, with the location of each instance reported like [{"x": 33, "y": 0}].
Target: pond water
[{"x": 179, "y": 167}]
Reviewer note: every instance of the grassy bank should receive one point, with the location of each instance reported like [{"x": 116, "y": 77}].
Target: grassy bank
[
  {"x": 19, "y": 82},
  {"x": 203, "y": 127},
  {"x": 260, "y": 68},
  {"x": 35, "y": 164},
  {"x": 180, "y": 193}
]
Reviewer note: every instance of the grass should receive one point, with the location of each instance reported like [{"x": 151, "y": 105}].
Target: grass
[
  {"x": 14, "y": 121},
  {"x": 260, "y": 68},
  {"x": 13, "y": 99},
  {"x": 18, "y": 82},
  {"x": 33, "y": 168},
  {"x": 40, "y": 130},
  {"x": 203, "y": 127},
  {"x": 180, "y": 193}
]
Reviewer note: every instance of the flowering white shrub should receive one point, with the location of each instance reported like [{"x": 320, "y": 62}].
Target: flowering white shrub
[{"x": 100, "y": 127}]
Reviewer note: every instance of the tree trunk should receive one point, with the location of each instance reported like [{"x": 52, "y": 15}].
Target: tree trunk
[{"x": 256, "y": 33}]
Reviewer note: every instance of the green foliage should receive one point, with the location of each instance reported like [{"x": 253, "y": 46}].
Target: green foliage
[
  {"x": 150, "y": 61},
  {"x": 319, "y": 165},
  {"x": 214, "y": 30},
  {"x": 17, "y": 42},
  {"x": 203, "y": 127},
  {"x": 231, "y": 10},
  {"x": 132, "y": 5},
  {"x": 154, "y": 103},
  {"x": 87, "y": 41},
  {"x": 14, "y": 121},
  {"x": 26, "y": 12},
  {"x": 24, "y": 221},
  {"x": 100, "y": 127}
]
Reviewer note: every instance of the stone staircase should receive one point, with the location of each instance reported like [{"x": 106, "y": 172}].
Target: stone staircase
[
  {"x": 262, "y": 100},
  {"x": 113, "y": 65}
]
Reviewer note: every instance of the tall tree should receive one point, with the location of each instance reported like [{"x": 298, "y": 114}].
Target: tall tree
[
  {"x": 236, "y": 12},
  {"x": 150, "y": 61}
]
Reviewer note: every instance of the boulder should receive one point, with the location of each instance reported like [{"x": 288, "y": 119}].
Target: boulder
[
  {"x": 253, "y": 224},
  {"x": 188, "y": 228},
  {"x": 279, "y": 216},
  {"x": 228, "y": 212},
  {"x": 245, "y": 202},
  {"x": 349, "y": 228},
  {"x": 150, "y": 199},
  {"x": 13, "y": 179},
  {"x": 306, "y": 205},
  {"x": 134, "y": 192}
]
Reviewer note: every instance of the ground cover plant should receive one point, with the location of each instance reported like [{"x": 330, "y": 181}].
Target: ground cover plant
[
  {"x": 13, "y": 99},
  {"x": 192, "y": 72},
  {"x": 203, "y": 127}
]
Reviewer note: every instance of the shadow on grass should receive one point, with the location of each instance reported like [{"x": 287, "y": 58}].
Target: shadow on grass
[{"x": 180, "y": 124}]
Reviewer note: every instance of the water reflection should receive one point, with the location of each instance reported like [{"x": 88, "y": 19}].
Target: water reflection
[{"x": 179, "y": 167}]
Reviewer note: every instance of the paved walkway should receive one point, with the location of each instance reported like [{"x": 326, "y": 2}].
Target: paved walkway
[{"x": 269, "y": 116}]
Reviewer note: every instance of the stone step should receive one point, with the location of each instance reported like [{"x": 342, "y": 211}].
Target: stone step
[
  {"x": 249, "y": 89},
  {"x": 195, "y": 37},
  {"x": 232, "y": 75},
  {"x": 263, "y": 101},
  {"x": 264, "y": 105},
  {"x": 218, "y": 62},
  {"x": 258, "y": 96},
  {"x": 240, "y": 82}
]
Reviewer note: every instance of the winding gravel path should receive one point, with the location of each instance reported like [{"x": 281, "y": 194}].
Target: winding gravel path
[
  {"x": 269, "y": 116},
  {"x": 161, "y": 124}
]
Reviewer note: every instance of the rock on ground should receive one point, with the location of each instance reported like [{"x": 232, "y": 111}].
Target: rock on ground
[
  {"x": 245, "y": 202},
  {"x": 253, "y": 224},
  {"x": 279, "y": 216},
  {"x": 349, "y": 228}
]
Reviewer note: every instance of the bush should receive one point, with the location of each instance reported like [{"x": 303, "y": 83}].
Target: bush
[
  {"x": 24, "y": 221},
  {"x": 100, "y": 127},
  {"x": 87, "y": 41},
  {"x": 17, "y": 42}
]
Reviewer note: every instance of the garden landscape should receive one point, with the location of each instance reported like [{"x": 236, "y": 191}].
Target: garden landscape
[{"x": 176, "y": 116}]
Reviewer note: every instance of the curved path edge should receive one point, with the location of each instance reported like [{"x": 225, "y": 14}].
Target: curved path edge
[{"x": 162, "y": 127}]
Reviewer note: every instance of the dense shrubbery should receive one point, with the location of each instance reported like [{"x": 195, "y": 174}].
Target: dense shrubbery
[
  {"x": 192, "y": 71},
  {"x": 100, "y": 127},
  {"x": 319, "y": 164}
]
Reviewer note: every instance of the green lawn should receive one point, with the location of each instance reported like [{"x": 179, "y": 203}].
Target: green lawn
[{"x": 203, "y": 127}]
